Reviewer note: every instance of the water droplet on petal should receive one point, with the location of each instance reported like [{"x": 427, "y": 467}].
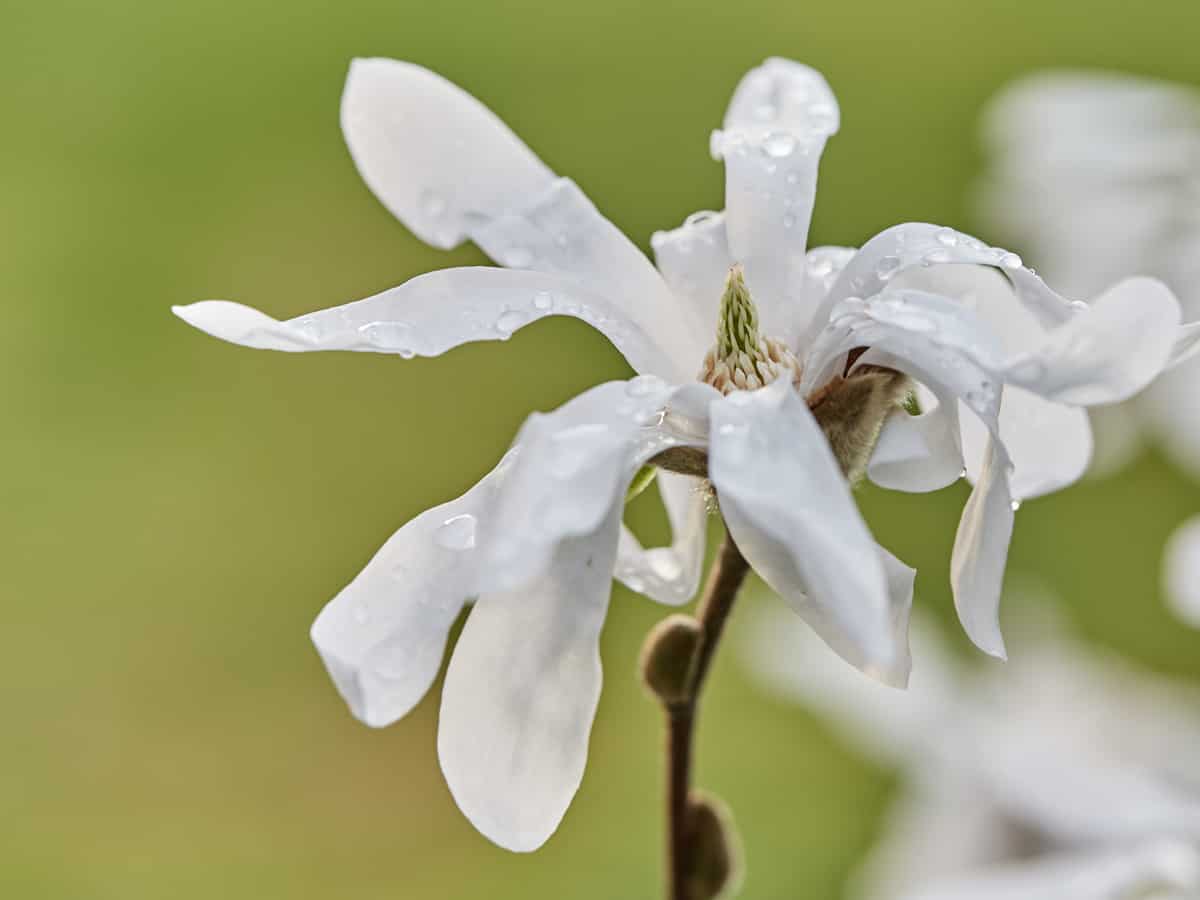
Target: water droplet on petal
[
  {"x": 1016, "y": 504},
  {"x": 1078, "y": 305},
  {"x": 643, "y": 385},
  {"x": 634, "y": 582},
  {"x": 543, "y": 300},
  {"x": 457, "y": 532},
  {"x": 962, "y": 472},
  {"x": 792, "y": 178},
  {"x": 1010, "y": 261},
  {"x": 887, "y": 267},
  {"x": 947, "y": 237},
  {"x": 395, "y": 336},
  {"x": 509, "y": 322},
  {"x": 789, "y": 220},
  {"x": 820, "y": 265},
  {"x": 665, "y": 565},
  {"x": 779, "y": 144},
  {"x": 649, "y": 417},
  {"x": 935, "y": 257}
]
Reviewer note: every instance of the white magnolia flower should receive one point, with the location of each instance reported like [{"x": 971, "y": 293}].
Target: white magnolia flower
[
  {"x": 1065, "y": 775},
  {"x": 1098, "y": 176},
  {"x": 1002, "y": 362}
]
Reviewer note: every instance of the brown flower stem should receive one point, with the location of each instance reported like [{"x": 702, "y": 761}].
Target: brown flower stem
[{"x": 724, "y": 579}]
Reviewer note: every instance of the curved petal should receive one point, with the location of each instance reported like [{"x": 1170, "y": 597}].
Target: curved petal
[
  {"x": 1108, "y": 351},
  {"x": 1050, "y": 444},
  {"x": 919, "y": 453},
  {"x": 774, "y": 133},
  {"x": 437, "y": 158},
  {"x": 521, "y": 693},
  {"x": 791, "y": 514},
  {"x": 671, "y": 574},
  {"x": 574, "y": 468},
  {"x": 1094, "y": 874},
  {"x": 1181, "y": 572},
  {"x": 694, "y": 260},
  {"x": 382, "y": 636},
  {"x": 450, "y": 169},
  {"x": 431, "y": 314}
]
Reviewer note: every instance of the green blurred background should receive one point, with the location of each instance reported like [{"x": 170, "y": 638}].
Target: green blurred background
[{"x": 176, "y": 509}]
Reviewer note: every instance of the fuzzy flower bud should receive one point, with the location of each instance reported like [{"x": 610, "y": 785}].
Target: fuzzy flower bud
[
  {"x": 714, "y": 859},
  {"x": 667, "y": 657}
]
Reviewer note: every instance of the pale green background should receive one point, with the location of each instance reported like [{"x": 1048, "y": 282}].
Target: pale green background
[{"x": 175, "y": 510}]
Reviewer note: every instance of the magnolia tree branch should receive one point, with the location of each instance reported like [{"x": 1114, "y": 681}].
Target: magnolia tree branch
[{"x": 724, "y": 579}]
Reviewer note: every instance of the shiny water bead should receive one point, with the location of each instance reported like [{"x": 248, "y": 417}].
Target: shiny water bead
[
  {"x": 457, "y": 532},
  {"x": 509, "y": 321}
]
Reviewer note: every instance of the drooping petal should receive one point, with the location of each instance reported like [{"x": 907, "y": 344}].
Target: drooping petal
[
  {"x": 450, "y": 169},
  {"x": 694, "y": 260},
  {"x": 1108, "y": 351},
  {"x": 574, "y": 468},
  {"x": 431, "y": 314},
  {"x": 1181, "y": 572},
  {"x": 383, "y": 635},
  {"x": 775, "y": 130},
  {"x": 521, "y": 693},
  {"x": 1050, "y": 444},
  {"x": 791, "y": 514},
  {"x": 670, "y": 574},
  {"x": 1095, "y": 874}
]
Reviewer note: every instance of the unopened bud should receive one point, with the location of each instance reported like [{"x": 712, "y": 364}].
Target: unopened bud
[
  {"x": 851, "y": 411},
  {"x": 714, "y": 856},
  {"x": 667, "y": 657}
]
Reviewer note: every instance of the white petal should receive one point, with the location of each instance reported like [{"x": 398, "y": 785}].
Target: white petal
[
  {"x": 574, "y": 467},
  {"x": 436, "y": 157},
  {"x": 449, "y": 169},
  {"x": 671, "y": 574},
  {"x": 919, "y": 453},
  {"x": 790, "y": 511},
  {"x": 1050, "y": 444},
  {"x": 1181, "y": 572},
  {"x": 774, "y": 133},
  {"x": 694, "y": 260},
  {"x": 382, "y": 636},
  {"x": 431, "y": 314},
  {"x": 980, "y": 552},
  {"x": 1101, "y": 874},
  {"x": 1108, "y": 351},
  {"x": 521, "y": 693},
  {"x": 1187, "y": 343}
]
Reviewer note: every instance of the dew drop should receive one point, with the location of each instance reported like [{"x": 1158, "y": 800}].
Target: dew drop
[
  {"x": 665, "y": 565},
  {"x": 509, "y": 322},
  {"x": 789, "y": 220},
  {"x": 792, "y": 178},
  {"x": 887, "y": 267},
  {"x": 962, "y": 473},
  {"x": 1016, "y": 504},
  {"x": 947, "y": 237},
  {"x": 703, "y": 217},
  {"x": 779, "y": 144},
  {"x": 1078, "y": 305},
  {"x": 643, "y": 385},
  {"x": 935, "y": 257},
  {"x": 456, "y": 533},
  {"x": 1010, "y": 261},
  {"x": 395, "y": 336},
  {"x": 648, "y": 417},
  {"x": 820, "y": 266},
  {"x": 634, "y": 582},
  {"x": 542, "y": 300}
]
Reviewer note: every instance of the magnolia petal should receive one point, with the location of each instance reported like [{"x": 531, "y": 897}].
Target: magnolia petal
[
  {"x": 1181, "y": 572},
  {"x": 429, "y": 315},
  {"x": 383, "y": 635},
  {"x": 1108, "y": 351},
  {"x": 671, "y": 574},
  {"x": 561, "y": 232},
  {"x": 521, "y": 693},
  {"x": 694, "y": 260},
  {"x": 919, "y": 453},
  {"x": 1102, "y": 874},
  {"x": 980, "y": 552},
  {"x": 436, "y": 157},
  {"x": 775, "y": 130},
  {"x": 1187, "y": 343},
  {"x": 573, "y": 470},
  {"x": 917, "y": 245},
  {"x": 1050, "y": 444},
  {"x": 790, "y": 512}
]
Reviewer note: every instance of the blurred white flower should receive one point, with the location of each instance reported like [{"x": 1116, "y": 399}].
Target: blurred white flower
[
  {"x": 1098, "y": 176},
  {"x": 1065, "y": 775},
  {"x": 537, "y": 540}
]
